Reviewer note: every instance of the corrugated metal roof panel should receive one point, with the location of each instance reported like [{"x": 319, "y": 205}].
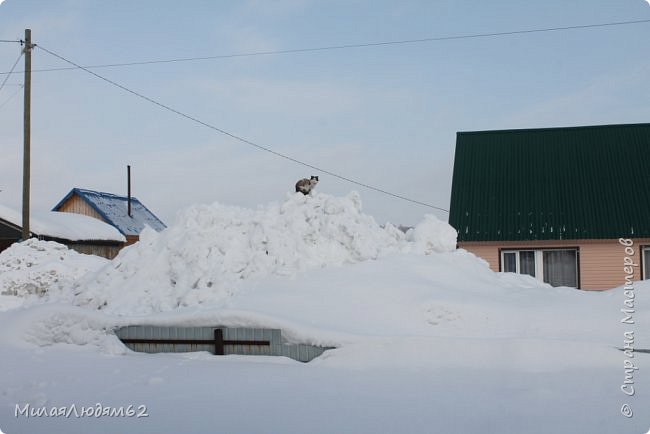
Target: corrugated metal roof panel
[
  {"x": 554, "y": 183},
  {"x": 114, "y": 210}
]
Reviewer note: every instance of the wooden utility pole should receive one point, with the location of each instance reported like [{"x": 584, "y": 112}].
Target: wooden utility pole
[{"x": 27, "y": 50}]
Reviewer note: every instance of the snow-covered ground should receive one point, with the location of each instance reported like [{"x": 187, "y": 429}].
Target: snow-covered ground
[{"x": 428, "y": 338}]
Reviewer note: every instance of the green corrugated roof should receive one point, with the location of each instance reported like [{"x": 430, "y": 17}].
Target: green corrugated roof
[{"x": 554, "y": 183}]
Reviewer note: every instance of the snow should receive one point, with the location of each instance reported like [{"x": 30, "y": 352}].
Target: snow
[
  {"x": 205, "y": 255},
  {"x": 66, "y": 226},
  {"x": 433, "y": 235},
  {"x": 428, "y": 338},
  {"x": 35, "y": 267}
]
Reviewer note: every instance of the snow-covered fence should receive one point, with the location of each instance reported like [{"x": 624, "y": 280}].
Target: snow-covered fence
[{"x": 217, "y": 340}]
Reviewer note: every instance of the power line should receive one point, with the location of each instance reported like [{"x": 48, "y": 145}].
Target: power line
[
  {"x": 9, "y": 40},
  {"x": 348, "y": 46},
  {"x": 239, "y": 138},
  {"x": 12, "y": 68},
  {"x": 11, "y": 97}
]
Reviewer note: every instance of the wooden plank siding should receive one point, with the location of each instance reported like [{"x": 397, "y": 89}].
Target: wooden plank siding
[
  {"x": 600, "y": 261},
  {"x": 105, "y": 251},
  {"x": 78, "y": 206}
]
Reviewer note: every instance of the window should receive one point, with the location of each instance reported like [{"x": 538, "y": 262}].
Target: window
[
  {"x": 527, "y": 262},
  {"x": 509, "y": 262},
  {"x": 519, "y": 261},
  {"x": 646, "y": 262},
  {"x": 557, "y": 267}
]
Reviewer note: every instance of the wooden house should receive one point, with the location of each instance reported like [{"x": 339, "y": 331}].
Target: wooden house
[
  {"x": 127, "y": 214},
  {"x": 554, "y": 202},
  {"x": 78, "y": 232}
]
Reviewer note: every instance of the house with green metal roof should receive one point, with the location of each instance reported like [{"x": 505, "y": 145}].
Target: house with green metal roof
[{"x": 554, "y": 203}]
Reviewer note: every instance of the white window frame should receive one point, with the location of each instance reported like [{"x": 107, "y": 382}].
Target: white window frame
[
  {"x": 517, "y": 259},
  {"x": 645, "y": 261},
  {"x": 539, "y": 260}
]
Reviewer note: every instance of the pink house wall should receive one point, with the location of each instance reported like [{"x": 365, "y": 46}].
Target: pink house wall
[{"x": 600, "y": 261}]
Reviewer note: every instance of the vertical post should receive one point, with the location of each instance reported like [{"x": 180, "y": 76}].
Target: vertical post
[
  {"x": 26, "y": 131},
  {"x": 218, "y": 342},
  {"x": 128, "y": 175}
]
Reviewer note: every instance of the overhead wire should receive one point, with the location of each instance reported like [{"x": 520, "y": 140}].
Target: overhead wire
[
  {"x": 349, "y": 46},
  {"x": 5, "y": 102},
  {"x": 241, "y": 139},
  {"x": 301, "y": 50},
  {"x": 12, "y": 68}
]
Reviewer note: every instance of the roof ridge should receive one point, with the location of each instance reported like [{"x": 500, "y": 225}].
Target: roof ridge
[
  {"x": 104, "y": 193},
  {"x": 574, "y": 127}
]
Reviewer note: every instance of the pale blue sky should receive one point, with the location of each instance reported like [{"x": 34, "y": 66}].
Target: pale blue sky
[{"x": 386, "y": 116}]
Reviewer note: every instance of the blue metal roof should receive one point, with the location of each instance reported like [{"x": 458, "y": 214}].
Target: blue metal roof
[{"x": 114, "y": 210}]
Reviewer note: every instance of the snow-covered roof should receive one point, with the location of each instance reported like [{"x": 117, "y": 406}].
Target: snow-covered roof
[
  {"x": 66, "y": 226},
  {"x": 114, "y": 210}
]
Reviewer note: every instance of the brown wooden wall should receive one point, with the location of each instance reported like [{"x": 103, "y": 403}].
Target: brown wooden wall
[
  {"x": 105, "y": 251},
  {"x": 600, "y": 261},
  {"x": 77, "y": 205},
  {"x": 108, "y": 252}
]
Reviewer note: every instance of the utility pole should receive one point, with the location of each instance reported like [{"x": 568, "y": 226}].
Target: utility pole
[{"x": 27, "y": 50}]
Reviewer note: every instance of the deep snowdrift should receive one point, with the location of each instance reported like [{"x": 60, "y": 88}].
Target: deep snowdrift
[
  {"x": 316, "y": 267},
  {"x": 422, "y": 331},
  {"x": 206, "y": 254}
]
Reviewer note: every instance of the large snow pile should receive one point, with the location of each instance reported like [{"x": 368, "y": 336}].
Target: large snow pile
[
  {"x": 211, "y": 248},
  {"x": 35, "y": 267}
]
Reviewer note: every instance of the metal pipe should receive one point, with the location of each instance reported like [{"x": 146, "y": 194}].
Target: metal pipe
[{"x": 128, "y": 173}]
